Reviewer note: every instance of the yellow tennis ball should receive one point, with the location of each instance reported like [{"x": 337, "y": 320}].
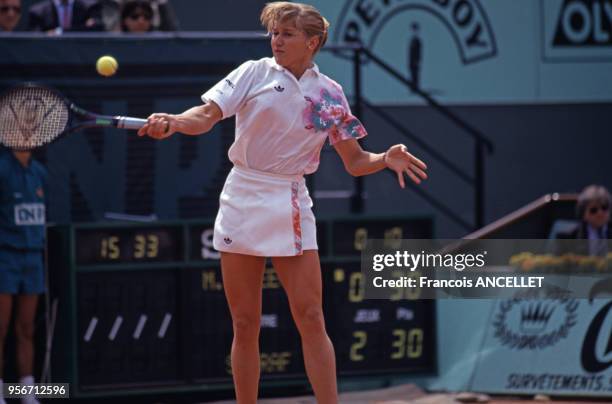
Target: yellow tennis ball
[{"x": 107, "y": 66}]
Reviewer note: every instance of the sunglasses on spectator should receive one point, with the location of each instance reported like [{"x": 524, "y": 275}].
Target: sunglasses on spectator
[
  {"x": 136, "y": 16},
  {"x": 594, "y": 209},
  {"x": 6, "y": 9}
]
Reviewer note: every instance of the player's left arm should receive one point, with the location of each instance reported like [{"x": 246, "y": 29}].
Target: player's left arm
[{"x": 359, "y": 162}]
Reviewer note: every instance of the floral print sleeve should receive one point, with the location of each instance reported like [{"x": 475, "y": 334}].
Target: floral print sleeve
[{"x": 332, "y": 113}]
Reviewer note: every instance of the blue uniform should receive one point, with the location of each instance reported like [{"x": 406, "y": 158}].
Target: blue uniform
[{"x": 22, "y": 225}]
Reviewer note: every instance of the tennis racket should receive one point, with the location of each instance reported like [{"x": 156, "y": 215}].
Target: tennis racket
[{"x": 32, "y": 116}]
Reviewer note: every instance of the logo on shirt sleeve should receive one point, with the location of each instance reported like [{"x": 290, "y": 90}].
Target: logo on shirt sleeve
[
  {"x": 279, "y": 88},
  {"x": 30, "y": 214},
  {"x": 230, "y": 84}
]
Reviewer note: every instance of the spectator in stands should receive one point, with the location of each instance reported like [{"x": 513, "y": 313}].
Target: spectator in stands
[
  {"x": 22, "y": 235},
  {"x": 109, "y": 12},
  {"x": 58, "y": 16},
  {"x": 593, "y": 211},
  {"x": 10, "y": 13},
  {"x": 163, "y": 19},
  {"x": 136, "y": 16}
]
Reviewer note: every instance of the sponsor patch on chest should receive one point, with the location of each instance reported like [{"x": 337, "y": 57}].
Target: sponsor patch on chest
[{"x": 30, "y": 214}]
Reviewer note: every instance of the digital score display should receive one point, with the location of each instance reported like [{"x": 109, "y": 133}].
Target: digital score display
[
  {"x": 178, "y": 308},
  {"x": 126, "y": 328},
  {"x": 210, "y": 340},
  {"x": 355, "y": 233},
  {"x": 369, "y": 336},
  {"x": 377, "y": 336},
  {"x": 134, "y": 329},
  {"x": 127, "y": 245}
]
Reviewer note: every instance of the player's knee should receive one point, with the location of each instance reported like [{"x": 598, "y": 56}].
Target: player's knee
[
  {"x": 246, "y": 328},
  {"x": 310, "y": 320},
  {"x": 24, "y": 331}
]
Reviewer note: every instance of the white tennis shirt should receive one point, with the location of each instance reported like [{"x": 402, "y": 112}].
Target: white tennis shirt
[{"x": 282, "y": 122}]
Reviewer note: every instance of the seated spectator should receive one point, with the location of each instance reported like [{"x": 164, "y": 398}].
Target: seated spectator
[
  {"x": 109, "y": 11},
  {"x": 593, "y": 211},
  {"x": 136, "y": 16},
  {"x": 10, "y": 12},
  {"x": 58, "y": 16},
  {"x": 164, "y": 18}
]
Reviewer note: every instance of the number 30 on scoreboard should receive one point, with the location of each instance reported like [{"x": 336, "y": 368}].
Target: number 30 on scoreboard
[{"x": 406, "y": 344}]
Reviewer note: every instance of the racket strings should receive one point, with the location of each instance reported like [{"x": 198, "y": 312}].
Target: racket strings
[{"x": 31, "y": 117}]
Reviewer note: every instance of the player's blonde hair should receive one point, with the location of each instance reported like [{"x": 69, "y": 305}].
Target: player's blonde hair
[{"x": 306, "y": 18}]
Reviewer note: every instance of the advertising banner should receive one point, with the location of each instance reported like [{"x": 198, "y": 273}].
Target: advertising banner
[{"x": 556, "y": 347}]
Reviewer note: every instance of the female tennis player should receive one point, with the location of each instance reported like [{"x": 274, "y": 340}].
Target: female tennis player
[{"x": 285, "y": 110}]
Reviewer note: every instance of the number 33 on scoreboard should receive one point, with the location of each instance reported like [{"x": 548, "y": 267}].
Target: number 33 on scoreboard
[
  {"x": 406, "y": 344},
  {"x": 145, "y": 246}
]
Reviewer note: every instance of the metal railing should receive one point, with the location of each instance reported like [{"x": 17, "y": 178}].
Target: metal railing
[{"x": 482, "y": 144}]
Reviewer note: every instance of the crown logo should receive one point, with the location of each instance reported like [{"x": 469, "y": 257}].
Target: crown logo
[
  {"x": 535, "y": 317},
  {"x": 279, "y": 88}
]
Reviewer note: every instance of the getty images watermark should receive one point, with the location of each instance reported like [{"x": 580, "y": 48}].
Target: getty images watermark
[{"x": 484, "y": 268}]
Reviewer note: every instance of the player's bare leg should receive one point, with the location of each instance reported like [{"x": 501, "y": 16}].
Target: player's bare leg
[
  {"x": 242, "y": 282},
  {"x": 24, "y": 333},
  {"x": 6, "y": 307},
  {"x": 301, "y": 279}
]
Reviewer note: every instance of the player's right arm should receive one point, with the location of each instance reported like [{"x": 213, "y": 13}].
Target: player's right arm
[{"x": 195, "y": 121}]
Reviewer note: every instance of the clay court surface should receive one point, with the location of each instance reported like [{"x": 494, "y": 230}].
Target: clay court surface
[{"x": 411, "y": 394}]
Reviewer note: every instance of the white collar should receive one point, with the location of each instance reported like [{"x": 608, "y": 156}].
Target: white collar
[
  {"x": 280, "y": 68},
  {"x": 315, "y": 68}
]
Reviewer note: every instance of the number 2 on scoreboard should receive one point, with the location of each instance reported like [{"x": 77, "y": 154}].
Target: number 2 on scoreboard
[{"x": 362, "y": 339}]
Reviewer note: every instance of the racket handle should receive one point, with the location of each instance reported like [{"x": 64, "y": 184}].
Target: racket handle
[{"x": 125, "y": 122}]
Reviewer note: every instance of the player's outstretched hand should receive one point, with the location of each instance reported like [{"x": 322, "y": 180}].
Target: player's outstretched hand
[
  {"x": 159, "y": 126},
  {"x": 399, "y": 160}
]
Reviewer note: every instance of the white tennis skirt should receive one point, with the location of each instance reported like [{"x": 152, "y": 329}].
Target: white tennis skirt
[{"x": 264, "y": 214}]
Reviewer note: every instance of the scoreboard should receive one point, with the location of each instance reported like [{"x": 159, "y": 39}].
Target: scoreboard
[{"x": 142, "y": 307}]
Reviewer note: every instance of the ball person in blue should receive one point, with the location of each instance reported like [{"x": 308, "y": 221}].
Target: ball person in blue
[{"x": 22, "y": 240}]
